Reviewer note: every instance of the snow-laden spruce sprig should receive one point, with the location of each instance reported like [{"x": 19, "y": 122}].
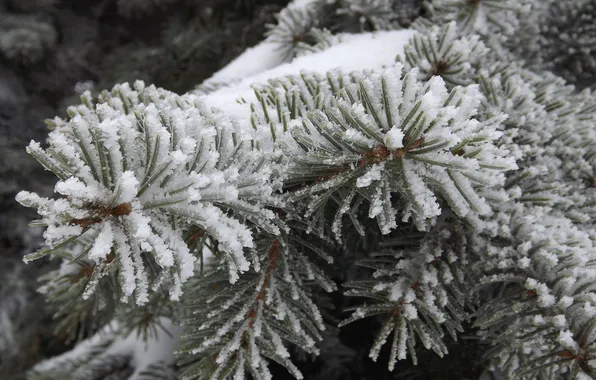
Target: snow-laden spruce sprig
[
  {"x": 554, "y": 123},
  {"x": 443, "y": 51},
  {"x": 386, "y": 135},
  {"x": 574, "y": 138},
  {"x": 546, "y": 118},
  {"x": 543, "y": 271},
  {"x": 527, "y": 129},
  {"x": 108, "y": 351},
  {"x": 294, "y": 24},
  {"x": 77, "y": 319},
  {"x": 235, "y": 330},
  {"x": 506, "y": 89},
  {"x": 482, "y": 16},
  {"x": 63, "y": 288},
  {"x": 136, "y": 171},
  {"x": 284, "y": 101},
  {"x": 323, "y": 39},
  {"x": 420, "y": 292}
]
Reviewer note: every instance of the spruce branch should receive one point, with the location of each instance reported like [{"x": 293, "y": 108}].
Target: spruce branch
[
  {"x": 371, "y": 14},
  {"x": 420, "y": 291},
  {"x": 294, "y": 24},
  {"x": 482, "y": 16},
  {"x": 78, "y": 318},
  {"x": 542, "y": 271},
  {"x": 235, "y": 330},
  {"x": 112, "y": 353},
  {"x": 384, "y": 135},
  {"x": 322, "y": 39},
  {"x": 462, "y": 188},
  {"x": 139, "y": 168},
  {"x": 544, "y": 111},
  {"x": 442, "y": 51}
]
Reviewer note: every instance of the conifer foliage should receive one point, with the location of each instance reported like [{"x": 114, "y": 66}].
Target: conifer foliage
[
  {"x": 435, "y": 195},
  {"x": 130, "y": 202}
]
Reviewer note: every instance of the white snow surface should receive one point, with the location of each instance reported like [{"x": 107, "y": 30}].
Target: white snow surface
[{"x": 356, "y": 52}]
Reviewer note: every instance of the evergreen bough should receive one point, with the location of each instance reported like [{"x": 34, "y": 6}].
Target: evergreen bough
[{"x": 458, "y": 189}]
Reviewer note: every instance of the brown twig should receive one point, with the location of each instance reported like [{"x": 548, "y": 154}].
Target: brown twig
[{"x": 101, "y": 212}]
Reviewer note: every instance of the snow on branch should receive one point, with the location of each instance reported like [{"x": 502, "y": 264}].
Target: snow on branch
[
  {"x": 235, "y": 330},
  {"x": 482, "y": 16},
  {"x": 419, "y": 291},
  {"x": 544, "y": 316},
  {"x": 138, "y": 169},
  {"x": 109, "y": 352},
  {"x": 391, "y": 133},
  {"x": 443, "y": 51}
]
